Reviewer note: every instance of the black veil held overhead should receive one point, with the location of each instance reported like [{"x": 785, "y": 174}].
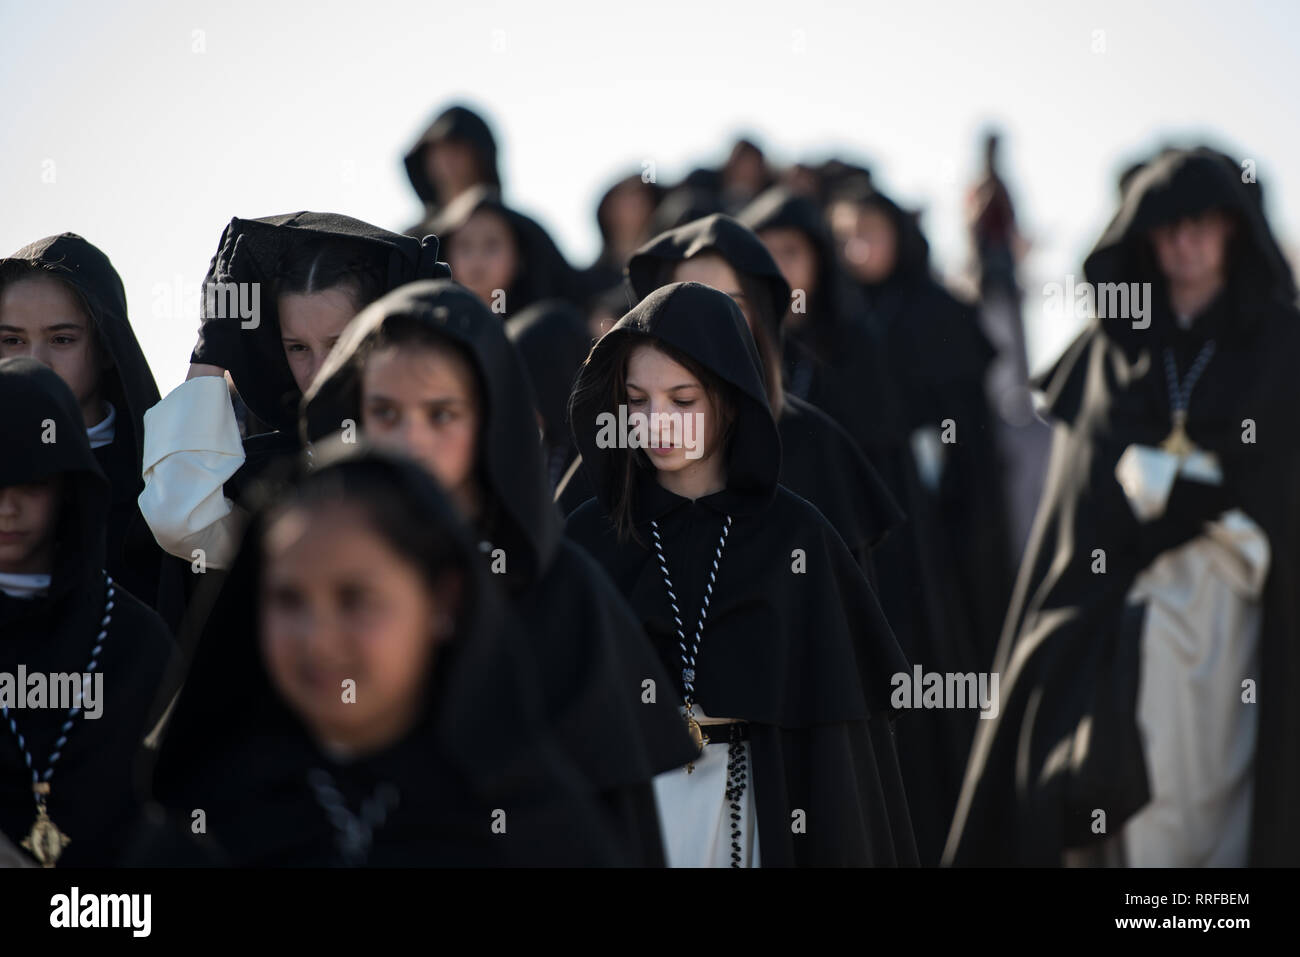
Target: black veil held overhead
[{"x": 1068, "y": 655}]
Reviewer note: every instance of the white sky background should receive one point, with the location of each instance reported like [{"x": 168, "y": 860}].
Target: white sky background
[{"x": 154, "y": 147}]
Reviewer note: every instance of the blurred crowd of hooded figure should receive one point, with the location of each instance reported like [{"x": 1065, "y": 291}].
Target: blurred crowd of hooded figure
[{"x": 374, "y": 586}]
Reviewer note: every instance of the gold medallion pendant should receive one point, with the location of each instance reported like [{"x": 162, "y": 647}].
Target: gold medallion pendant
[
  {"x": 697, "y": 738},
  {"x": 45, "y": 842},
  {"x": 1178, "y": 442}
]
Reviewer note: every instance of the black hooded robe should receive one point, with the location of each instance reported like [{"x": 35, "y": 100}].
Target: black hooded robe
[
  {"x": 806, "y": 659},
  {"x": 591, "y": 655},
  {"x": 133, "y": 558},
  {"x": 1069, "y": 655},
  {"x": 479, "y": 748},
  {"x": 92, "y": 798}
]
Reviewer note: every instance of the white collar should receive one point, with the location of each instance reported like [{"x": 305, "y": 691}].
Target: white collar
[
  {"x": 24, "y": 586},
  {"x": 103, "y": 433}
]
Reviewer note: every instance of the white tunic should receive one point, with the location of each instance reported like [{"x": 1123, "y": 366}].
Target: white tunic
[
  {"x": 695, "y": 814},
  {"x": 192, "y": 447}
]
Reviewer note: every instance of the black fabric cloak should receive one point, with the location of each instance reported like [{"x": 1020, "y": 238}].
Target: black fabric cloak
[
  {"x": 552, "y": 339},
  {"x": 805, "y": 657},
  {"x": 945, "y": 583},
  {"x": 543, "y": 272},
  {"x": 133, "y": 557},
  {"x": 591, "y": 654},
  {"x": 454, "y": 123},
  {"x": 478, "y": 747},
  {"x": 92, "y": 798},
  {"x": 1069, "y": 655},
  {"x": 249, "y": 252}
]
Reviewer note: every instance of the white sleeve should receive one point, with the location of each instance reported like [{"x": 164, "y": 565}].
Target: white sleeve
[{"x": 191, "y": 447}]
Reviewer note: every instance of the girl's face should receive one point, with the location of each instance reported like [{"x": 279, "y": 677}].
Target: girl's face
[
  {"x": 452, "y": 165},
  {"x": 42, "y": 318},
  {"x": 1195, "y": 250},
  {"x": 28, "y": 518},
  {"x": 682, "y": 424},
  {"x": 423, "y": 403},
  {"x": 349, "y": 629},
  {"x": 795, "y": 255},
  {"x": 867, "y": 240},
  {"x": 483, "y": 256},
  {"x": 712, "y": 270},
  {"x": 310, "y": 324}
]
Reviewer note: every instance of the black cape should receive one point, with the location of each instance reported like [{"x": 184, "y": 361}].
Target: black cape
[
  {"x": 806, "y": 658},
  {"x": 454, "y": 123},
  {"x": 946, "y": 581},
  {"x": 92, "y": 798},
  {"x": 1069, "y": 654},
  {"x": 479, "y": 745},
  {"x": 591, "y": 655},
  {"x": 552, "y": 340},
  {"x": 250, "y": 250},
  {"x": 820, "y": 462},
  {"x": 133, "y": 557}
]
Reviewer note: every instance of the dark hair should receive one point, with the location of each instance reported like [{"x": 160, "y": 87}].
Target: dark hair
[
  {"x": 606, "y": 389},
  {"x": 765, "y": 329},
  {"x": 327, "y": 263},
  {"x": 390, "y": 506}
]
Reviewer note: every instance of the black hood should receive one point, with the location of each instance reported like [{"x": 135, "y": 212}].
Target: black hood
[
  {"x": 454, "y": 123},
  {"x": 706, "y": 325},
  {"x": 543, "y": 272},
  {"x": 480, "y": 706},
  {"x": 552, "y": 339},
  {"x": 43, "y": 434},
  {"x": 721, "y": 234},
  {"x": 130, "y": 385},
  {"x": 913, "y": 249},
  {"x": 255, "y": 357},
  {"x": 1177, "y": 184},
  {"x": 510, "y": 461}
]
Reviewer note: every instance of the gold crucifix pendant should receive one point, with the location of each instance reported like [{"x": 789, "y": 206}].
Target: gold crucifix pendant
[
  {"x": 45, "y": 842},
  {"x": 1177, "y": 442}
]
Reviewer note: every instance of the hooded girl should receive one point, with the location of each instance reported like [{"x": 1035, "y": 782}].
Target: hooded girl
[
  {"x": 624, "y": 215},
  {"x": 504, "y": 257},
  {"x": 830, "y": 358},
  {"x": 820, "y": 461},
  {"x": 1149, "y": 654},
  {"x": 80, "y": 658},
  {"x": 387, "y": 711},
  {"x": 429, "y": 371},
  {"x": 456, "y": 153},
  {"x": 62, "y": 303},
  {"x": 278, "y": 294},
  {"x": 752, "y": 600}
]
